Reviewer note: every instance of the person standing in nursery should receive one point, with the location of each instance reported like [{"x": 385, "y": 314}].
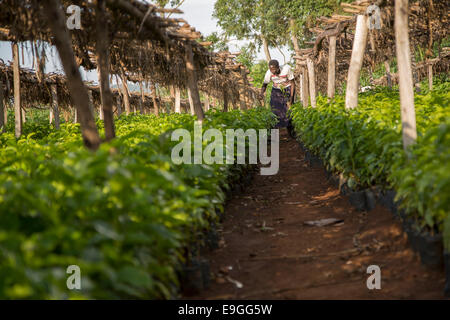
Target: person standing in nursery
[{"x": 283, "y": 92}]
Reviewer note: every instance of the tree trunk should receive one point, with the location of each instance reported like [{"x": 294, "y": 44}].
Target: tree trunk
[
  {"x": 408, "y": 113},
  {"x": 312, "y": 81},
  {"x": 17, "y": 109},
  {"x": 2, "y": 108},
  {"x": 56, "y": 21},
  {"x": 54, "y": 90},
  {"x": 192, "y": 86},
  {"x": 332, "y": 68},
  {"x": 266, "y": 48},
  {"x": 293, "y": 36},
  {"x": 305, "y": 88},
  {"x": 356, "y": 62}
]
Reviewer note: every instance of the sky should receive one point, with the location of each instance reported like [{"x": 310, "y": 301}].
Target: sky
[{"x": 198, "y": 13}]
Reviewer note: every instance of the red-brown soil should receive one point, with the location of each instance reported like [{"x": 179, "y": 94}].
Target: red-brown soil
[{"x": 275, "y": 256}]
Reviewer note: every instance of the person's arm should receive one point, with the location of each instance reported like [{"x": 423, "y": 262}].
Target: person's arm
[
  {"x": 265, "y": 83},
  {"x": 264, "y": 88}
]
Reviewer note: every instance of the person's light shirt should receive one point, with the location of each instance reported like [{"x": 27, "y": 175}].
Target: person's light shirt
[{"x": 282, "y": 80}]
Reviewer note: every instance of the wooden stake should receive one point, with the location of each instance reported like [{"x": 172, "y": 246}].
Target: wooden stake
[
  {"x": 154, "y": 98},
  {"x": 225, "y": 100},
  {"x": 124, "y": 88},
  {"x": 55, "y": 110},
  {"x": 356, "y": 62},
  {"x": 56, "y": 20},
  {"x": 312, "y": 81},
  {"x": 91, "y": 102},
  {"x": 305, "y": 88},
  {"x": 177, "y": 100},
  {"x": 206, "y": 102},
  {"x": 2, "y": 108},
  {"x": 388, "y": 73},
  {"x": 141, "y": 104},
  {"x": 192, "y": 85},
  {"x": 102, "y": 51},
  {"x": 332, "y": 68},
  {"x": 17, "y": 107},
  {"x": 408, "y": 113},
  {"x": 430, "y": 76}
]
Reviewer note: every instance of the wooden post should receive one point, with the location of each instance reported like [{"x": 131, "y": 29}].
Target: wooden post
[
  {"x": 119, "y": 105},
  {"x": 312, "y": 81},
  {"x": 124, "y": 88},
  {"x": 332, "y": 68},
  {"x": 141, "y": 105},
  {"x": 55, "y": 110},
  {"x": 17, "y": 108},
  {"x": 24, "y": 114},
  {"x": 91, "y": 102},
  {"x": 2, "y": 108},
  {"x": 225, "y": 100},
  {"x": 388, "y": 73},
  {"x": 177, "y": 100},
  {"x": 305, "y": 88},
  {"x": 56, "y": 20},
  {"x": 356, "y": 62},
  {"x": 408, "y": 113},
  {"x": 206, "y": 102},
  {"x": 102, "y": 51},
  {"x": 244, "y": 96},
  {"x": 192, "y": 86},
  {"x": 430, "y": 76},
  {"x": 154, "y": 98}
]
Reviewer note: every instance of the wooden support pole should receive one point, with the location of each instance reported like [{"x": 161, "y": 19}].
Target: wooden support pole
[
  {"x": 119, "y": 97},
  {"x": 192, "y": 86},
  {"x": 388, "y": 73},
  {"x": 154, "y": 98},
  {"x": 91, "y": 102},
  {"x": 142, "y": 102},
  {"x": 2, "y": 108},
  {"x": 177, "y": 100},
  {"x": 305, "y": 88},
  {"x": 125, "y": 95},
  {"x": 430, "y": 76},
  {"x": 312, "y": 81},
  {"x": 207, "y": 103},
  {"x": 17, "y": 104},
  {"x": 102, "y": 51},
  {"x": 356, "y": 62},
  {"x": 55, "y": 110},
  {"x": 332, "y": 68},
  {"x": 408, "y": 113},
  {"x": 56, "y": 20},
  {"x": 225, "y": 100}
]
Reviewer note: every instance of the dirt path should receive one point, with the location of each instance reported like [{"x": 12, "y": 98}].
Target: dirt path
[{"x": 275, "y": 256}]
